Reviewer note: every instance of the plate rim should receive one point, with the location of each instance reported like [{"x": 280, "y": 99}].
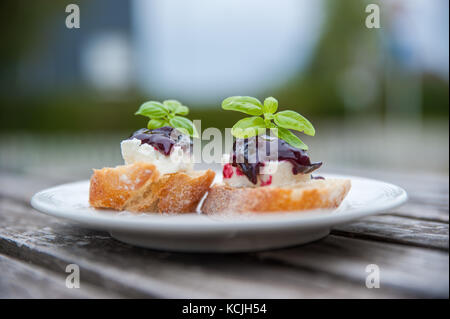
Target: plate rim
[{"x": 310, "y": 220}]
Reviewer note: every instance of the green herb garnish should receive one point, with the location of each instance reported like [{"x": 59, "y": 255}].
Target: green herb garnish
[
  {"x": 280, "y": 122},
  {"x": 167, "y": 113}
]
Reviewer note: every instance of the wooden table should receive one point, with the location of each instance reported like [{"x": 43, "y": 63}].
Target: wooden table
[{"x": 409, "y": 245}]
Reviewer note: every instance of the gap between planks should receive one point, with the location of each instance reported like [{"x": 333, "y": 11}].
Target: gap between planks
[{"x": 333, "y": 267}]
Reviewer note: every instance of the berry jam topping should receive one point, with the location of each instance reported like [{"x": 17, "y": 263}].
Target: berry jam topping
[
  {"x": 250, "y": 154},
  {"x": 163, "y": 139},
  {"x": 267, "y": 182},
  {"x": 227, "y": 171},
  {"x": 239, "y": 172}
]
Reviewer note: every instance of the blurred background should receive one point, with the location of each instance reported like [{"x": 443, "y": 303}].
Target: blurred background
[{"x": 379, "y": 98}]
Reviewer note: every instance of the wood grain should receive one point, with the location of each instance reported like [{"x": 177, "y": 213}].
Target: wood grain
[
  {"x": 21, "y": 280},
  {"x": 137, "y": 272},
  {"x": 410, "y": 245},
  {"x": 423, "y": 212},
  {"x": 421, "y": 272},
  {"x": 397, "y": 229}
]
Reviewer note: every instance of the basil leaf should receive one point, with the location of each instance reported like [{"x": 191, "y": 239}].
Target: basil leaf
[
  {"x": 269, "y": 124},
  {"x": 156, "y": 123},
  {"x": 182, "y": 110},
  {"x": 183, "y": 124},
  {"x": 172, "y": 105},
  {"x": 290, "y": 137},
  {"x": 248, "y": 127},
  {"x": 270, "y": 105},
  {"x": 244, "y": 104},
  {"x": 153, "y": 109},
  {"x": 293, "y": 120},
  {"x": 176, "y": 107}
]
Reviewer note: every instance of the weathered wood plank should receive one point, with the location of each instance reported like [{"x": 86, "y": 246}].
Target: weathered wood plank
[
  {"x": 424, "y": 272},
  {"x": 140, "y": 272},
  {"x": 398, "y": 230},
  {"x": 52, "y": 244},
  {"x": 134, "y": 272},
  {"x": 20, "y": 280},
  {"x": 423, "y": 212}
]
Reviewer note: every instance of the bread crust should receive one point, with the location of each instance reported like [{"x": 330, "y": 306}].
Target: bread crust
[
  {"x": 140, "y": 188},
  {"x": 112, "y": 187},
  {"x": 173, "y": 193},
  {"x": 317, "y": 194}
]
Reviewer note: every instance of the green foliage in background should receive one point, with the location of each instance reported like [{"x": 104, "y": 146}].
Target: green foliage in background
[{"x": 344, "y": 45}]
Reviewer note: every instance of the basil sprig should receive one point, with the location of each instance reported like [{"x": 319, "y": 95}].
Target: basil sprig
[
  {"x": 265, "y": 117},
  {"x": 167, "y": 113}
]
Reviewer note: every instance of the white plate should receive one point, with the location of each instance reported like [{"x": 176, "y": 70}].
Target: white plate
[{"x": 231, "y": 233}]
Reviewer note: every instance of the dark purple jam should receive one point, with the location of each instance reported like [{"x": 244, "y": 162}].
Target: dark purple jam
[
  {"x": 162, "y": 139},
  {"x": 250, "y": 154}
]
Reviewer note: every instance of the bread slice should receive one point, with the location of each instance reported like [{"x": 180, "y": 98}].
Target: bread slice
[
  {"x": 173, "y": 193},
  {"x": 140, "y": 188},
  {"x": 113, "y": 187},
  {"x": 314, "y": 194}
]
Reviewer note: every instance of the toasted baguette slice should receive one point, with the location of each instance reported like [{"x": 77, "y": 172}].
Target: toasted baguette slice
[
  {"x": 315, "y": 194},
  {"x": 173, "y": 193},
  {"x": 140, "y": 188},
  {"x": 113, "y": 187}
]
